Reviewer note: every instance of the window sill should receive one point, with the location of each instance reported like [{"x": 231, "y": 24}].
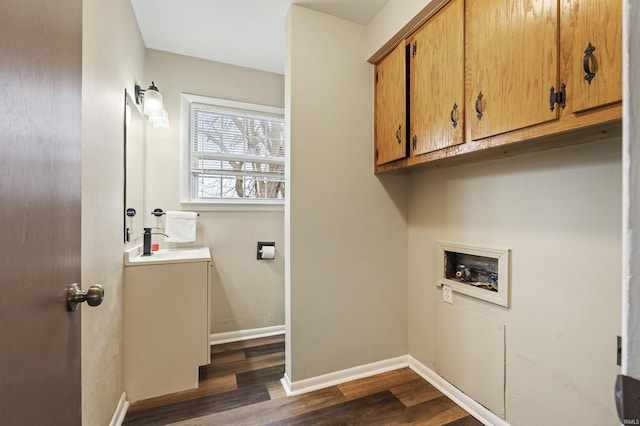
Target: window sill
[{"x": 235, "y": 205}]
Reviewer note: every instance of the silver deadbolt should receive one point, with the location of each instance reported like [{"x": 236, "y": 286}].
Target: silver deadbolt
[{"x": 93, "y": 296}]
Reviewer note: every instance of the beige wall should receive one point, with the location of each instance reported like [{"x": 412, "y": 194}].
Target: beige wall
[
  {"x": 394, "y": 15},
  {"x": 560, "y": 214},
  {"x": 113, "y": 59},
  {"x": 346, "y": 268},
  {"x": 246, "y": 293}
]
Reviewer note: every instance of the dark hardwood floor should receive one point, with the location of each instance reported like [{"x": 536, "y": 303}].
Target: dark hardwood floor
[{"x": 242, "y": 386}]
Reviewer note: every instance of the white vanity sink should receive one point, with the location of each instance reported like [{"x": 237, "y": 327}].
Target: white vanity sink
[
  {"x": 166, "y": 320},
  {"x": 134, "y": 256}
]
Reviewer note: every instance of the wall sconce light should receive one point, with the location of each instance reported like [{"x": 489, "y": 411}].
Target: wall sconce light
[{"x": 153, "y": 107}]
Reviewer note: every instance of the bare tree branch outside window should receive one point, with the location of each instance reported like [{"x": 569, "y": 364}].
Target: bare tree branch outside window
[{"x": 236, "y": 154}]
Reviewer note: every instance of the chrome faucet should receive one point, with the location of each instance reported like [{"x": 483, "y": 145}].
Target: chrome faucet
[{"x": 146, "y": 246}]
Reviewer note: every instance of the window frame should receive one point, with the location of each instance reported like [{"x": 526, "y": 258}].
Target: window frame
[{"x": 222, "y": 204}]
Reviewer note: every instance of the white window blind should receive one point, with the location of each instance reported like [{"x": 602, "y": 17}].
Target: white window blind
[{"x": 235, "y": 154}]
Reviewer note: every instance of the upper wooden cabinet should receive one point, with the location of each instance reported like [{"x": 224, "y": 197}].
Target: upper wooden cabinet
[
  {"x": 510, "y": 74},
  {"x": 390, "y": 107},
  {"x": 592, "y": 45},
  {"x": 436, "y": 94},
  {"x": 512, "y": 62}
]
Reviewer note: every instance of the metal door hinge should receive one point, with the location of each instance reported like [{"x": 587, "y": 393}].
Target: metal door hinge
[
  {"x": 415, "y": 142},
  {"x": 619, "y": 351},
  {"x": 558, "y": 97},
  {"x": 377, "y": 77},
  {"x": 377, "y": 154},
  {"x": 415, "y": 49}
]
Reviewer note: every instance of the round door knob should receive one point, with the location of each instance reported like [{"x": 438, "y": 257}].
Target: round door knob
[{"x": 93, "y": 296}]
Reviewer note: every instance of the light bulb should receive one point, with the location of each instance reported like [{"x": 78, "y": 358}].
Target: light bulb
[{"x": 153, "y": 105}]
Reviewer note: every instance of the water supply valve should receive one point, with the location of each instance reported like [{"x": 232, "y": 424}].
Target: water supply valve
[
  {"x": 462, "y": 272},
  {"x": 492, "y": 281}
]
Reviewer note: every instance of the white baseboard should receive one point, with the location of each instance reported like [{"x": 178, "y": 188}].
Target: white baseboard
[
  {"x": 286, "y": 384},
  {"x": 338, "y": 377},
  {"x": 254, "y": 333},
  {"x": 121, "y": 411},
  {"x": 473, "y": 407}
]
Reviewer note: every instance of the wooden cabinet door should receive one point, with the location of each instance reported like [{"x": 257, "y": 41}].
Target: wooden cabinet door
[
  {"x": 390, "y": 107},
  {"x": 595, "y": 50},
  {"x": 437, "y": 81},
  {"x": 512, "y": 62}
]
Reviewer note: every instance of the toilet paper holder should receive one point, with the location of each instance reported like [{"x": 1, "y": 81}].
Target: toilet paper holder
[{"x": 262, "y": 244}]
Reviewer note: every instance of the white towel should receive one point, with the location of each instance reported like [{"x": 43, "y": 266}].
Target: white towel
[{"x": 180, "y": 226}]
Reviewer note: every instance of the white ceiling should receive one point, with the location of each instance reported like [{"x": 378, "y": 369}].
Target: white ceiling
[{"x": 247, "y": 33}]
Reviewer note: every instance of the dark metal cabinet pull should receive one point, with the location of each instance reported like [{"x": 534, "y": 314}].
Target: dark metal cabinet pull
[
  {"x": 586, "y": 62},
  {"x": 479, "y": 106},
  {"x": 454, "y": 115},
  {"x": 398, "y": 133}
]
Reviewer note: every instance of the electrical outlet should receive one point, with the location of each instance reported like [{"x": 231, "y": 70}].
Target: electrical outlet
[{"x": 447, "y": 294}]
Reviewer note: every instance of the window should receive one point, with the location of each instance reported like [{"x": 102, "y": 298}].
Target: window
[{"x": 235, "y": 152}]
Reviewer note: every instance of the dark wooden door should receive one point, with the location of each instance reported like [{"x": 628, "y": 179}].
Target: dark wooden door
[{"x": 40, "y": 127}]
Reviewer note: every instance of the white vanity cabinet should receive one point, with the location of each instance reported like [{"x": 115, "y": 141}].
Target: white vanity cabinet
[{"x": 166, "y": 321}]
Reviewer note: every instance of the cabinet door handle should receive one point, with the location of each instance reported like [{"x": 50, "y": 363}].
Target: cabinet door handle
[
  {"x": 454, "y": 116},
  {"x": 479, "y": 106},
  {"x": 586, "y": 62},
  {"x": 398, "y": 133}
]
